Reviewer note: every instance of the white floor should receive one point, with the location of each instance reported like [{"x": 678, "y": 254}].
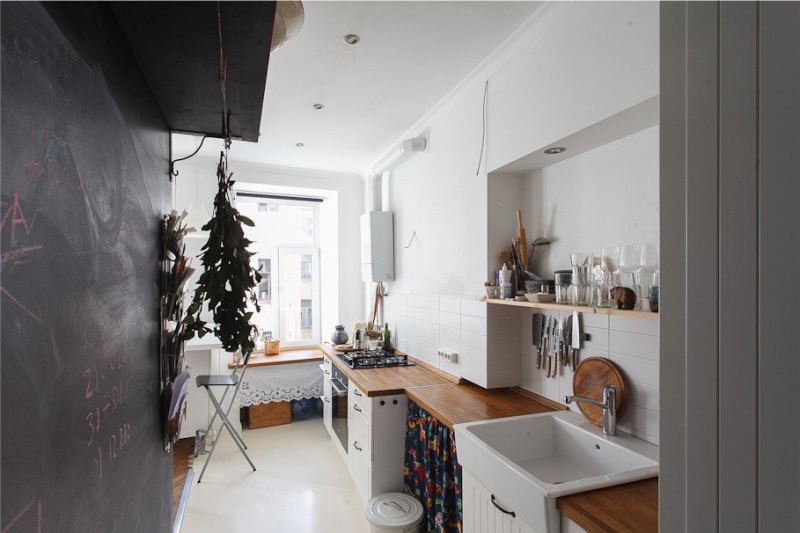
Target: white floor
[{"x": 301, "y": 485}]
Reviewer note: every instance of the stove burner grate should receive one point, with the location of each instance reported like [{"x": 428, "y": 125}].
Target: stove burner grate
[{"x": 374, "y": 359}]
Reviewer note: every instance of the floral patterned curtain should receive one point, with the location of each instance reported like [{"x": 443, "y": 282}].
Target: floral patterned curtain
[{"x": 431, "y": 472}]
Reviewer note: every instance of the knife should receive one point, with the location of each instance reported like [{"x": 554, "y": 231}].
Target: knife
[
  {"x": 559, "y": 345},
  {"x": 565, "y": 340},
  {"x": 544, "y": 348},
  {"x": 576, "y": 341},
  {"x": 537, "y": 336},
  {"x": 556, "y": 347}
]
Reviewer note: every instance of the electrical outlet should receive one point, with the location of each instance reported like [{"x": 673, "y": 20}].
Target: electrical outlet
[{"x": 448, "y": 355}]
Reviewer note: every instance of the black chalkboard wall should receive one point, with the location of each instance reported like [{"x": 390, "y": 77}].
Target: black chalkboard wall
[{"x": 84, "y": 183}]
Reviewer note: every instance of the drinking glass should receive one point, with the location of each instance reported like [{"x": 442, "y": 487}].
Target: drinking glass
[
  {"x": 629, "y": 257},
  {"x": 647, "y": 275},
  {"x": 582, "y": 278}
]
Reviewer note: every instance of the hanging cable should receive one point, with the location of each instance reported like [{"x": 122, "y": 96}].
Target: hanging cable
[{"x": 483, "y": 131}]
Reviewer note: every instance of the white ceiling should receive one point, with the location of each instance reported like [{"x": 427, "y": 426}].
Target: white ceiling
[{"x": 411, "y": 54}]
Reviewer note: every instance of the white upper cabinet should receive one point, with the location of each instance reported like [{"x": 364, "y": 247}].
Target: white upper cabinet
[{"x": 583, "y": 63}]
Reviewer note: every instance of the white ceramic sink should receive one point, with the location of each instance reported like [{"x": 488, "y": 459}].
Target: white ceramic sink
[{"x": 528, "y": 461}]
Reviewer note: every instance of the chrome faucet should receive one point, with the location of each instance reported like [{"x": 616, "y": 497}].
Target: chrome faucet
[{"x": 609, "y": 407}]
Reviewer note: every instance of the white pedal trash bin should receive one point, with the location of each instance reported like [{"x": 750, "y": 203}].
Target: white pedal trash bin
[{"x": 394, "y": 512}]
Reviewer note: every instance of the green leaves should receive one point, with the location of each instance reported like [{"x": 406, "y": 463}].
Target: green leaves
[{"x": 228, "y": 281}]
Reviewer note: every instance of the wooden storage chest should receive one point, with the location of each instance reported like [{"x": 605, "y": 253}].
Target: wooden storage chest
[{"x": 268, "y": 414}]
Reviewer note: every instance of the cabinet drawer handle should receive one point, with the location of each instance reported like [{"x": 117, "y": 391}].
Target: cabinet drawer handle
[
  {"x": 356, "y": 446},
  {"x": 357, "y": 408},
  {"x": 327, "y": 372},
  {"x": 326, "y": 400},
  {"x": 512, "y": 513},
  {"x": 357, "y": 392}
]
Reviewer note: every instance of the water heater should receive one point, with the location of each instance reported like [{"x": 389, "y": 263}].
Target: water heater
[{"x": 377, "y": 246}]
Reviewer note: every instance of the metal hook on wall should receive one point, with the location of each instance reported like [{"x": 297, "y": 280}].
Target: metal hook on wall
[{"x": 411, "y": 240}]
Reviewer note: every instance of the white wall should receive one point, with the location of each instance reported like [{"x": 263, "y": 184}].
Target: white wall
[
  {"x": 575, "y": 65},
  {"x": 605, "y": 197},
  {"x": 342, "y": 290},
  {"x": 438, "y": 194},
  {"x": 586, "y": 62}
]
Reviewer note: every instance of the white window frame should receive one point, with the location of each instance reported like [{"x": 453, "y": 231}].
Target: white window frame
[
  {"x": 275, "y": 254},
  {"x": 316, "y": 301}
]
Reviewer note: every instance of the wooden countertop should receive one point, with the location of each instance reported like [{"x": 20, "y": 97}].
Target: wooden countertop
[
  {"x": 456, "y": 403},
  {"x": 284, "y": 357},
  {"x": 628, "y": 508},
  {"x": 390, "y": 381}
]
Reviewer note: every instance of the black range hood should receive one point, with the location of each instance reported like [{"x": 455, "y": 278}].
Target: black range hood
[{"x": 177, "y": 47}]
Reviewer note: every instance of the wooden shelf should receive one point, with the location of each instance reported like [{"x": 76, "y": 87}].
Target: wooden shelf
[{"x": 580, "y": 309}]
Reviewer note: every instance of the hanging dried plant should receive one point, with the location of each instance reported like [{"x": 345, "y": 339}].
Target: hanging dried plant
[{"x": 228, "y": 280}]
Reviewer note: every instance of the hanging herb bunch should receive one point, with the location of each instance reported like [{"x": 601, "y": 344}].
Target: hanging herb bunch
[{"x": 228, "y": 280}]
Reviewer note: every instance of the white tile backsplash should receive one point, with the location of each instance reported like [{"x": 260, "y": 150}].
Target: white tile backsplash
[
  {"x": 450, "y": 305},
  {"x": 634, "y": 344},
  {"x": 473, "y": 341},
  {"x": 473, "y": 308},
  {"x": 495, "y": 349},
  {"x": 431, "y": 342},
  {"x": 430, "y": 330},
  {"x": 430, "y": 302},
  {"x": 451, "y": 320},
  {"x": 633, "y": 325},
  {"x": 473, "y": 358},
  {"x": 473, "y": 324},
  {"x": 594, "y": 321},
  {"x": 642, "y": 395},
  {"x": 636, "y": 369},
  {"x": 451, "y": 337},
  {"x": 430, "y": 315}
]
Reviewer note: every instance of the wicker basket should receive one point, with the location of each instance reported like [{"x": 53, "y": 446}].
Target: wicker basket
[{"x": 272, "y": 347}]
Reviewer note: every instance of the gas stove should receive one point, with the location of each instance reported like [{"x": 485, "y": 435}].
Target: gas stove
[{"x": 374, "y": 359}]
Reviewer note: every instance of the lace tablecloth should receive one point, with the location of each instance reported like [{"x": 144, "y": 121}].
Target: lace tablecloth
[{"x": 281, "y": 383}]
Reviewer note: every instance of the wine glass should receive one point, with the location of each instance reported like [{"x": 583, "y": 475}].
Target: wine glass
[
  {"x": 609, "y": 263},
  {"x": 629, "y": 257}
]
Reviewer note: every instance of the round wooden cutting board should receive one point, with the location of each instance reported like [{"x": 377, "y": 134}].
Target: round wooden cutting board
[{"x": 588, "y": 381}]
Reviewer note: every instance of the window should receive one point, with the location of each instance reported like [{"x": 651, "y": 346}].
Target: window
[
  {"x": 265, "y": 286},
  {"x": 305, "y": 314},
  {"x": 286, "y": 252}
]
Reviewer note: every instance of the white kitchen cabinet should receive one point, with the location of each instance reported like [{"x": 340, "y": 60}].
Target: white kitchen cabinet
[
  {"x": 376, "y": 441},
  {"x": 481, "y": 515}
]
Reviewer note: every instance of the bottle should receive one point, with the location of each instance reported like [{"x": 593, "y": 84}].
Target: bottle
[{"x": 387, "y": 338}]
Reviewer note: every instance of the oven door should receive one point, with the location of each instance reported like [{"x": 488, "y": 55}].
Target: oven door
[{"x": 339, "y": 406}]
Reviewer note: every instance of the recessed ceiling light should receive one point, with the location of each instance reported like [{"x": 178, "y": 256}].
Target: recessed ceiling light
[
  {"x": 299, "y": 145},
  {"x": 555, "y": 150},
  {"x": 319, "y": 106},
  {"x": 351, "y": 38}
]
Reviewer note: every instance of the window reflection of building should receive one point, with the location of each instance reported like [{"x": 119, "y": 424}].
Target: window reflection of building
[
  {"x": 265, "y": 285},
  {"x": 305, "y": 314}
]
